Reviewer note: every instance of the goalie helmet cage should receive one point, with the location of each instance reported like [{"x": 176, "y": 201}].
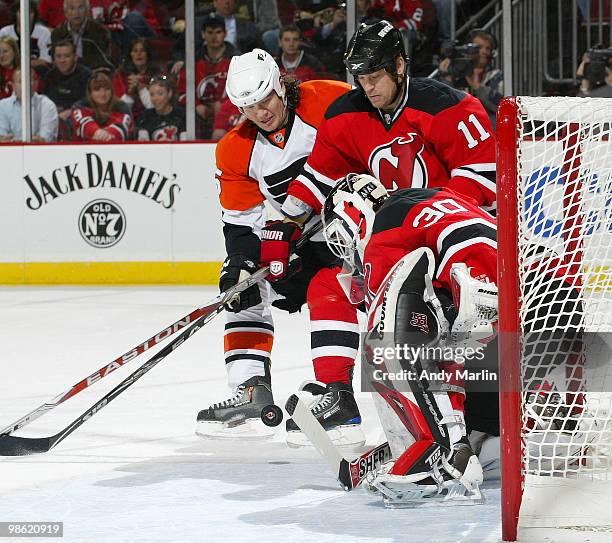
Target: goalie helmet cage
[{"x": 555, "y": 308}]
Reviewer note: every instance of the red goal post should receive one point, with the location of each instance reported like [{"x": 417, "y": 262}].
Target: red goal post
[{"x": 554, "y": 165}]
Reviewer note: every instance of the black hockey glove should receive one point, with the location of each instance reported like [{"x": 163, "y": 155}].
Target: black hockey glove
[{"x": 235, "y": 269}]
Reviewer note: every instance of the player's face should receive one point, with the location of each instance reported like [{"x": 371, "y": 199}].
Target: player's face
[
  {"x": 269, "y": 114},
  {"x": 290, "y": 42},
  {"x": 160, "y": 97},
  {"x": 7, "y": 56},
  {"x": 486, "y": 50},
  {"x": 64, "y": 58},
  {"x": 214, "y": 37},
  {"x": 138, "y": 55},
  {"x": 380, "y": 88}
]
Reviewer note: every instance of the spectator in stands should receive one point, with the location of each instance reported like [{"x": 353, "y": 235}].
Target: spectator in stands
[
  {"x": 481, "y": 79},
  {"x": 92, "y": 40},
  {"x": 101, "y": 116},
  {"x": 9, "y": 60},
  {"x": 330, "y": 41},
  {"x": 210, "y": 74},
  {"x": 227, "y": 117},
  {"x": 131, "y": 81},
  {"x": 126, "y": 19},
  {"x": 65, "y": 83},
  {"x": 40, "y": 37},
  {"x": 165, "y": 121},
  {"x": 241, "y": 33},
  {"x": 294, "y": 60},
  {"x": 414, "y": 18},
  {"x": 44, "y": 112},
  {"x": 595, "y": 74},
  {"x": 265, "y": 15},
  {"x": 51, "y": 12}
]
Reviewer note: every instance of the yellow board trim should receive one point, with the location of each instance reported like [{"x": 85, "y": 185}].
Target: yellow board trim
[{"x": 109, "y": 273}]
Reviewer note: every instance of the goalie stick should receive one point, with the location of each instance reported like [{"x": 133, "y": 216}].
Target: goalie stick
[
  {"x": 350, "y": 473},
  {"x": 21, "y": 446}
]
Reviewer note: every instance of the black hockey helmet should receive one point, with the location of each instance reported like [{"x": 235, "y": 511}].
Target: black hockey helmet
[{"x": 374, "y": 47}]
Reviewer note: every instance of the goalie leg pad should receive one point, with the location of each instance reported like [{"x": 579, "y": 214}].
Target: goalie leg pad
[{"x": 435, "y": 461}]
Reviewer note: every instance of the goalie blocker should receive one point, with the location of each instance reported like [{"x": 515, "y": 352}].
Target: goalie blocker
[{"x": 413, "y": 250}]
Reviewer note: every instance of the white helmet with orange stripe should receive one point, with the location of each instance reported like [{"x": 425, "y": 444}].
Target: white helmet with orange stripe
[{"x": 252, "y": 77}]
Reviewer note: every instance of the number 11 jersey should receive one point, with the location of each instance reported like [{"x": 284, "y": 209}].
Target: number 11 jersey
[{"x": 437, "y": 137}]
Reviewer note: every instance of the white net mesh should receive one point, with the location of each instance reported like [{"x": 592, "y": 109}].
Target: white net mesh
[{"x": 564, "y": 193}]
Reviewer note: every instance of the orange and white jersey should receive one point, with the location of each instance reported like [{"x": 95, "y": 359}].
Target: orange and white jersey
[{"x": 254, "y": 166}]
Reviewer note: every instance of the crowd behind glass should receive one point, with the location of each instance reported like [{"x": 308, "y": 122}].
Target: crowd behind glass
[{"x": 114, "y": 70}]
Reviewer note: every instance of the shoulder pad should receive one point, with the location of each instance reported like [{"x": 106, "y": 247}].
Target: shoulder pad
[
  {"x": 393, "y": 212},
  {"x": 431, "y": 96},
  {"x": 353, "y": 101}
]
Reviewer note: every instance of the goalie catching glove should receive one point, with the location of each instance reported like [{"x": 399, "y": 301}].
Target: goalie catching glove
[
  {"x": 277, "y": 241},
  {"x": 236, "y": 269}
]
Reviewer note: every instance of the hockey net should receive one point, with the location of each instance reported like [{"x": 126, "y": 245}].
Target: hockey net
[{"x": 555, "y": 251}]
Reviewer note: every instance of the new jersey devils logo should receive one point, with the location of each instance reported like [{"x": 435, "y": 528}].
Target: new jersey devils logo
[
  {"x": 166, "y": 133},
  {"x": 212, "y": 86},
  {"x": 399, "y": 164}
]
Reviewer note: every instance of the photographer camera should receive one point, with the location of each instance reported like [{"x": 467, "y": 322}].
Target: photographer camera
[
  {"x": 469, "y": 67},
  {"x": 595, "y": 70}
]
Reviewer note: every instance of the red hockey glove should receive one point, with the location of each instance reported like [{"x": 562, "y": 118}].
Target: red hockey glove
[{"x": 277, "y": 240}]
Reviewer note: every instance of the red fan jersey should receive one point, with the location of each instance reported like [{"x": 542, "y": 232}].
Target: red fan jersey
[
  {"x": 409, "y": 14},
  {"x": 118, "y": 124},
  {"x": 438, "y": 137},
  {"x": 451, "y": 225},
  {"x": 6, "y": 82},
  {"x": 210, "y": 80}
]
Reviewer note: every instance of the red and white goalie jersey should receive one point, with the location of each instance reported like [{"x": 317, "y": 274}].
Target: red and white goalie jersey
[
  {"x": 451, "y": 225},
  {"x": 438, "y": 137}
]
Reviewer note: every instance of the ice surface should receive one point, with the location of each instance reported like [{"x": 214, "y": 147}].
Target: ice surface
[{"x": 136, "y": 472}]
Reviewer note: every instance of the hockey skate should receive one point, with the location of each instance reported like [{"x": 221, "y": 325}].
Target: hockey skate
[
  {"x": 335, "y": 408},
  {"x": 240, "y": 415},
  {"x": 453, "y": 480}
]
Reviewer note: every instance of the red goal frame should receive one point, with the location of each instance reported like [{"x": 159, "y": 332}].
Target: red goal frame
[{"x": 508, "y": 284}]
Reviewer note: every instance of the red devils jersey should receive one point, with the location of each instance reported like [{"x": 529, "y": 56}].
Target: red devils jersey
[
  {"x": 449, "y": 224},
  {"x": 409, "y": 14},
  {"x": 438, "y": 137},
  {"x": 210, "y": 77},
  {"x": 118, "y": 124}
]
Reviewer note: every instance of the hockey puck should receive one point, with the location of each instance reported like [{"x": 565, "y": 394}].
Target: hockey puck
[{"x": 272, "y": 415}]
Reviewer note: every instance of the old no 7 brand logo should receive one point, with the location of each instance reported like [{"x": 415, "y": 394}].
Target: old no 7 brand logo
[{"x": 102, "y": 223}]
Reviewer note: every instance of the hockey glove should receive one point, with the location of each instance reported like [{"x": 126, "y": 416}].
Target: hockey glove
[
  {"x": 277, "y": 241},
  {"x": 237, "y": 268}
]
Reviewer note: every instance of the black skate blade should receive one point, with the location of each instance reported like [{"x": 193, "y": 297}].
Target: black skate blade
[{"x": 23, "y": 446}]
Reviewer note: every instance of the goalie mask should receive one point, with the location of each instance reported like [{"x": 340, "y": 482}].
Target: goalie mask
[{"x": 348, "y": 216}]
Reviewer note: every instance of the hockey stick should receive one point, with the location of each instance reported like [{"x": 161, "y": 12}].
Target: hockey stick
[
  {"x": 350, "y": 473},
  {"x": 103, "y": 371},
  {"x": 19, "y": 446}
]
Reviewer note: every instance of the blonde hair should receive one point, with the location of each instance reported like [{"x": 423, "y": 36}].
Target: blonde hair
[{"x": 13, "y": 45}]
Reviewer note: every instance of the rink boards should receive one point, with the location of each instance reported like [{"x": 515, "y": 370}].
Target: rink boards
[{"x": 90, "y": 214}]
